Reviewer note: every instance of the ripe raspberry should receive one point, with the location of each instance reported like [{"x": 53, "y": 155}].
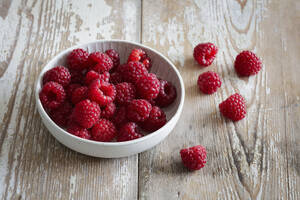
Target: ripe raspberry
[
  {"x": 120, "y": 117},
  {"x": 209, "y": 82},
  {"x": 138, "y": 110},
  {"x": 147, "y": 63},
  {"x": 92, "y": 75},
  {"x": 70, "y": 89},
  {"x": 132, "y": 71},
  {"x": 115, "y": 78},
  {"x": 125, "y": 93},
  {"x": 114, "y": 56},
  {"x": 102, "y": 92},
  {"x": 104, "y": 131},
  {"x": 58, "y": 74},
  {"x": 167, "y": 94},
  {"x": 205, "y": 53},
  {"x": 108, "y": 111},
  {"x": 77, "y": 76},
  {"x": 233, "y": 107},
  {"x": 61, "y": 115},
  {"x": 79, "y": 94},
  {"x": 77, "y": 59},
  {"x": 86, "y": 113},
  {"x": 52, "y": 95},
  {"x": 194, "y": 158},
  {"x": 128, "y": 132},
  {"x": 156, "y": 120},
  {"x": 138, "y": 55},
  {"x": 148, "y": 87},
  {"x": 79, "y": 131},
  {"x": 247, "y": 63},
  {"x": 99, "y": 62}
]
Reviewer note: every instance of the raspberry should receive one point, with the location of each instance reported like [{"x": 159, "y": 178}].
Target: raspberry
[
  {"x": 79, "y": 94},
  {"x": 156, "y": 120},
  {"x": 233, "y": 107},
  {"x": 125, "y": 93},
  {"x": 140, "y": 56},
  {"x": 61, "y": 115},
  {"x": 114, "y": 56},
  {"x": 78, "y": 131},
  {"x": 194, "y": 158},
  {"x": 247, "y": 63},
  {"x": 148, "y": 87},
  {"x": 58, "y": 74},
  {"x": 77, "y": 76},
  {"x": 209, "y": 82},
  {"x": 77, "y": 59},
  {"x": 147, "y": 63},
  {"x": 92, "y": 75},
  {"x": 115, "y": 78},
  {"x": 108, "y": 111},
  {"x": 132, "y": 71},
  {"x": 86, "y": 113},
  {"x": 120, "y": 117},
  {"x": 138, "y": 110},
  {"x": 104, "y": 131},
  {"x": 100, "y": 62},
  {"x": 205, "y": 53},
  {"x": 167, "y": 94},
  {"x": 102, "y": 92},
  {"x": 52, "y": 95},
  {"x": 128, "y": 132},
  {"x": 70, "y": 89}
]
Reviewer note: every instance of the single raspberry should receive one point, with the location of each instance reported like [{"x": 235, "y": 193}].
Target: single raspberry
[
  {"x": 167, "y": 94},
  {"x": 247, "y": 63},
  {"x": 205, "y": 53},
  {"x": 128, "y": 132},
  {"x": 77, "y": 76},
  {"x": 234, "y": 107},
  {"x": 79, "y": 94},
  {"x": 138, "y": 110},
  {"x": 52, "y": 95},
  {"x": 77, "y": 59},
  {"x": 116, "y": 78},
  {"x": 114, "y": 56},
  {"x": 120, "y": 117},
  {"x": 104, "y": 131},
  {"x": 59, "y": 74},
  {"x": 61, "y": 115},
  {"x": 156, "y": 120},
  {"x": 70, "y": 89},
  {"x": 108, "y": 111},
  {"x": 132, "y": 71},
  {"x": 148, "y": 87},
  {"x": 99, "y": 62},
  {"x": 86, "y": 113},
  {"x": 92, "y": 75},
  {"x": 147, "y": 63},
  {"x": 140, "y": 56},
  {"x": 102, "y": 92},
  {"x": 125, "y": 93},
  {"x": 193, "y": 158},
  {"x": 209, "y": 82},
  {"x": 78, "y": 131}
]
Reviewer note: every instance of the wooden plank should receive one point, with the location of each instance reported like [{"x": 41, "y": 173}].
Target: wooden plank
[
  {"x": 256, "y": 158},
  {"x": 33, "y": 165}
]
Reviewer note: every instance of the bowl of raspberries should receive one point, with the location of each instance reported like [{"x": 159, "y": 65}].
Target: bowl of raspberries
[{"x": 110, "y": 98}]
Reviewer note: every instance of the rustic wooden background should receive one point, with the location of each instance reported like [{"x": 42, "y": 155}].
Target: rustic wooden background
[{"x": 256, "y": 158}]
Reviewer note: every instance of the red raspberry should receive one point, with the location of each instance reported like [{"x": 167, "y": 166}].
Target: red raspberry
[
  {"x": 79, "y": 131},
  {"x": 115, "y": 78},
  {"x": 104, "y": 131},
  {"x": 205, "y": 53},
  {"x": 120, "y": 117},
  {"x": 147, "y": 63},
  {"x": 148, "y": 87},
  {"x": 247, "y": 63},
  {"x": 70, "y": 89},
  {"x": 128, "y": 132},
  {"x": 194, "y": 158},
  {"x": 167, "y": 94},
  {"x": 52, "y": 95},
  {"x": 92, "y": 75},
  {"x": 102, "y": 92},
  {"x": 58, "y": 74},
  {"x": 140, "y": 56},
  {"x": 77, "y": 76},
  {"x": 79, "y": 94},
  {"x": 108, "y": 111},
  {"x": 100, "y": 62},
  {"x": 86, "y": 113},
  {"x": 138, "y": 110},
  {"x": 209, "y": 82},
  {"x": 77, "y": 59},
  {"x": 114, "y": 56},
  {"x": 132, "y": 71},
  {"x": 125, "y": 93},
  {"x": 61, "y": 115},
  {"x": 233, "y": 107},
  {"x": 156, "y": 120}
]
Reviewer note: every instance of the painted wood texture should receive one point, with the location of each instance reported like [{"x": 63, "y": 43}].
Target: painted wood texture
[{"x": 256, "y": 158}]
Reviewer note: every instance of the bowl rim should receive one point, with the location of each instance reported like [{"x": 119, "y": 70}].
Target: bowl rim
[{"x": 125, "y": 143}]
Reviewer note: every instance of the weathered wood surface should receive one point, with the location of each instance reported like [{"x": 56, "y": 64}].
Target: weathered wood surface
[{"x": 256, "y": 158}]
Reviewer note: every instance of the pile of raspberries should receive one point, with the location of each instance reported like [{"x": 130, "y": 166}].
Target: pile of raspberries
[{"x": 97, "y": 98}]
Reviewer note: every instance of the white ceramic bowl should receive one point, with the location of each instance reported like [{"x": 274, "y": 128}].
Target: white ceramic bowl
[{"x": 161, "y": 66}]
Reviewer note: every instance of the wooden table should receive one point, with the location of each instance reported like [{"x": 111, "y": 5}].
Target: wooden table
[{"x": 256, "y": 158}]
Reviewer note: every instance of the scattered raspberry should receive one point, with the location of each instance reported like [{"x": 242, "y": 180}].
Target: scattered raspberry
[
  {"x": 115, "y": 78},
  {"x": 233, "y": 107},
  {"x": 70, "y": 89},
  {"x": 77, "y": 59},
  {"x": 194, "y": 158},
  {"x": 108, "y": 111},
  {"x": 92, "y": 75},
  {"x": 148, "y": 87},
  {"x": 247, "y": 63},
  {"x": 120, "y": 117},
  {"x": 61, "y": 115},
  {"x": 86, "y": 113},
  {"x": 156, "y": 120},
  {"x": 129, "y": 132},
  {"x": 100, "y": 62},
  {"x": 167, "y": 94},
  {"x": 58, "y": 74},
  {"x": 77, "y": 76},
  {"x": 102, "y": 92},
  {"x": 132, "y": 71},
  {"x": 104, "y": 131},
  {"x": 77, "y": 130},
  {"x": 125, "y": 93},
  {"x": 79, "y": 94},
  {"x": 138, "y": 110},
  {"x": 52, "y": 95},
  {"x": 138, "y": 55},
  {"x": 205, "y": 53},
  {"x": 114, "y": 56},
  {"x": 209, "y": 82}
]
